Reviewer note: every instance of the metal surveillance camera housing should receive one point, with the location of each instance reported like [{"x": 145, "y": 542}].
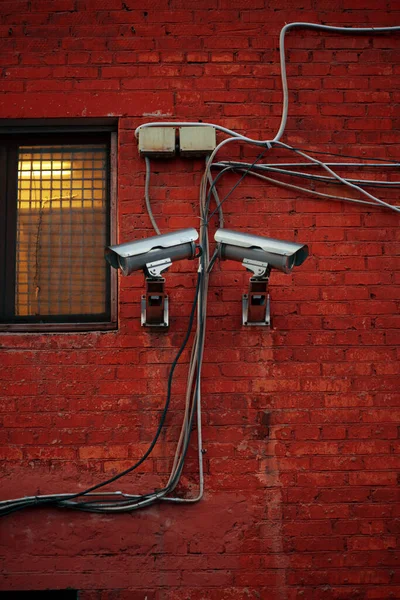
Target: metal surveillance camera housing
[
  {"x": 277, "y": 254},
  {"x": 153, "y": 255},
  {"x": 259, "y": 255},
  {"x": 160, "y": 249}
]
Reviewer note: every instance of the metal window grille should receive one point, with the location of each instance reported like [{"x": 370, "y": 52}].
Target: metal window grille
[{"x": 61, "y": 230}]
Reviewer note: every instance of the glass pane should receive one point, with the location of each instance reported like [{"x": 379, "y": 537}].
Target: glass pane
[{"x": 61, "y": 230}]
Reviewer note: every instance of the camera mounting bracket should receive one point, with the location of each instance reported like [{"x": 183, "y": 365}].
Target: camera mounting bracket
[
  {"x": 256, "y": 304},
  {"x": 154, "y": 304},
  {"x": 154, "y": 269},
  {"x": 260, "y": 269}
]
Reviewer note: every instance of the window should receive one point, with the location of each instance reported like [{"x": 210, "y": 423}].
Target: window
[{"x": 56, "y": 217}]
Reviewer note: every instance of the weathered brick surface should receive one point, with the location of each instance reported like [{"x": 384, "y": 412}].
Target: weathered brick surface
[{"x": 301, "y": 422}]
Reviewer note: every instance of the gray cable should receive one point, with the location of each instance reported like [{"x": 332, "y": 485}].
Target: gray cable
[
  {"x": 147, "y": 196},
  {"x": 286, "y": 28},
  {"x": 216, "y": 197},
  {"x": 339, "y": 178},
  {"x": 323, "y": 178},
  {"x": 308, "y": 191}
]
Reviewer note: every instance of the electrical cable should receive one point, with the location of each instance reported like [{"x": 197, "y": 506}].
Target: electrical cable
[
  {"x": 339, "y": 178},
  {"x": 323, "y": 178},
  {"x": 196, "y": 395},
  {"x": 309, "y": 191},
  {"x": 333, "y": 164},
  {"x": 167, "y": 402},
  {"x": 51, "y": 499},
  {"x": 215, "y": 194},
  {"x": 99, "y": 505},
  {"x": 145, "y": 500},
  {"x": 299, "y": 188},
  {"x": 212, "y": 261},
  {"x": 198, "y": 348},
  {"x": 259, "y": 157},
  {"x": 199, "y": 339},
  {"x": 66, "y": 500},
  {"x": 318, "y": 27},
  {"x": 190, "y": 374},
  {"x": 212, "y": 189},
  {"x": 284, "y": 30},
  {"x": 147, "y": 196},
  {"x": 248, "y": 169},
  {"x": 208, "y": 171},
  {"x": 230, "y": 132},
  {"x": 268, "y": 143},
  {"x": 142, "y": 501},
  {"x": 394, "y": 163}
]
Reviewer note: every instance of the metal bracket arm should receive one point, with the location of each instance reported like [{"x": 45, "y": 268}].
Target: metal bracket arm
[
  {"x": 154, "y": 269},
  {"x": 260, "y": 269}
]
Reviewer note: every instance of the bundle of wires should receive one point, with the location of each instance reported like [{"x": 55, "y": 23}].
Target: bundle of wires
[
  {"x": 94, "y": 498},
  {"x": 358, "y": 185},
  {"x": 104, "y": 502}
]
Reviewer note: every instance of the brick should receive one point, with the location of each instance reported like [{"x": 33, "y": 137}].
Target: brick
[
  {"x": 101, "y": 452},
  {"x": 49, "y": 104},
  {"x": 48, "y": 85},
  {"x": 12, "y": 86},
  {"x": 48, "y": 5},
  {"x": 372, "y": 544},
  {"x": 371, "y": 478},
  {"x": 53, "y": 453},
  {"x": 76, "y": 58},
  {"x": 8, "y": 453},
  {"x": 28, "y": 72}
]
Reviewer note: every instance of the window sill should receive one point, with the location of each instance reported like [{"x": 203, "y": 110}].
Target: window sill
[{"x": 56, "y": 327}]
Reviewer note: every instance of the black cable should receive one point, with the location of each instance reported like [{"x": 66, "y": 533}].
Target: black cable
[
  {"x": 394, "y": 162},
  {"x": 212, "y": 261},
  {"x": 60, "y": 499},
  {"x": 130, "y": 503},
  {"x": 88, "y": 506},
  {"x": 211, "y": 189},
  {"x": 319, "y": 178},
  {"x": 259, "y": 157}
]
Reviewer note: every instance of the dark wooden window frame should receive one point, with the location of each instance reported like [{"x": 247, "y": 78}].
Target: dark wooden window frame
[{"x": 13, "y": 135}]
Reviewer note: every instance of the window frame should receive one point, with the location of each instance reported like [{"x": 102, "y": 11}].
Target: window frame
[{"x": 14, "y": 135}]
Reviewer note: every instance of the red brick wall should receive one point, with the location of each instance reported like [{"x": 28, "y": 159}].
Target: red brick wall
[{"x": 301, "y": 421}]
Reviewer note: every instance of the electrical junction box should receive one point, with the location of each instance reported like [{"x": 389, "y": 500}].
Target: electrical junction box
[
  {"x": 196, "y": 141},
  {"x": 157, "y": 141}
]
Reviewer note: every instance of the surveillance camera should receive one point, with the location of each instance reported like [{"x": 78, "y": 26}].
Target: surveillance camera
[
  {"x": 260, "y": 253},
  {"x": 153, "y": 254}
]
